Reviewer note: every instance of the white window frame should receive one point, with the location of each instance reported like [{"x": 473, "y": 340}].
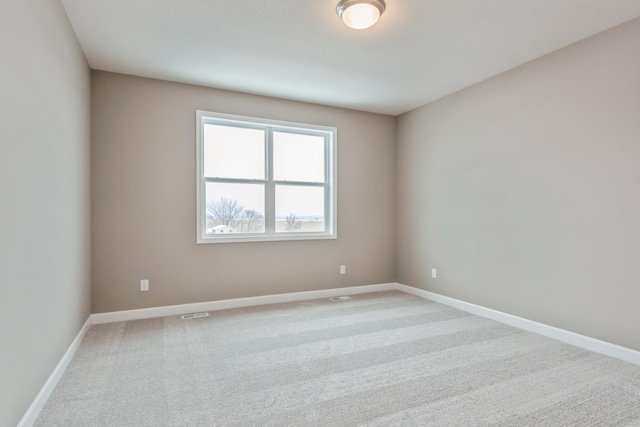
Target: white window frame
[{"x": 330, "y": 202}]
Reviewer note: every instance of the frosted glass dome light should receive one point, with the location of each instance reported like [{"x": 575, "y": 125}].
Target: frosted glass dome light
[{"x": 360, "y": 14}]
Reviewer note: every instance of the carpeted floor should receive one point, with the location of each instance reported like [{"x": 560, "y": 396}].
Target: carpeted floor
[{"x": 379, "y": 359}]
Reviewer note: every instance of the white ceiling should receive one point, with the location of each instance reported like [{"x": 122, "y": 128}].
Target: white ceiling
[{"x": 419, "y": 51}]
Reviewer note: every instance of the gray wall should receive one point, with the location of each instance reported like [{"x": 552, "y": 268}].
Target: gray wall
[
  {"x": 44, "y": 184},
  {"x": 143, "y": 200},
  {"x": 523, "y": 190}
]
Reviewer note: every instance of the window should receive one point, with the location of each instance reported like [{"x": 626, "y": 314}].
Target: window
[{"x": 263, "y": 180}]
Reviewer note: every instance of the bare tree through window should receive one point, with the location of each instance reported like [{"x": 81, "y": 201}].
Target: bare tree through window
[
  {"x": 293, "y": 223},
  {"x": 253, "y": 221},
  {"x": 225, "y": 211}
]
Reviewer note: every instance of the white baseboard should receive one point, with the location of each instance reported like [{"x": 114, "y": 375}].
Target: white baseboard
[
  {"x": 572, "y": 338},
  {"x": 174, "y": 310},
  {"x": 568, "y": 337},
  {"x": 38, "y": 403},
  {"x": 588, "y": 343}
]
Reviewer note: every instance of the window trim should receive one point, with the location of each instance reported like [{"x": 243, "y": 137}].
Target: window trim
[{"x": 331, "y": 197}]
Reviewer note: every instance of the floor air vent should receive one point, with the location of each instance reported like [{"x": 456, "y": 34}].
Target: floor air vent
[
  {"x": 194, "y": 315},
  {"x": 339, "y": 298}
]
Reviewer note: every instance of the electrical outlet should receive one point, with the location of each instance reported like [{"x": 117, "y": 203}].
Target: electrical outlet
[
  {"x": 144, "y": 285},
  {"x": 343, "y": 269},
  {"x": 434, "y": 274}
]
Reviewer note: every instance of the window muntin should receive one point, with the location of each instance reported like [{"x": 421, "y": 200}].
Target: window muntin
[{"x": 262, "y": 180}]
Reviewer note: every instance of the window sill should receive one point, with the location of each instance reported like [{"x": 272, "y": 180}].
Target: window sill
[{"x": 268, "y": 238}]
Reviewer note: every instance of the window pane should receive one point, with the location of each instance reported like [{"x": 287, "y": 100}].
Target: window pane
[
  {"x": 234, "y": 208},
  {"x": 232, "y": 152},
  {"x": 298, "y": 157},
  {"x": 299, "y": 209}
]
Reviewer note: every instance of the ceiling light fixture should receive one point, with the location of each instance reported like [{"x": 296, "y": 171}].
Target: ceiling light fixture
[{"x": 360, "y": 14}]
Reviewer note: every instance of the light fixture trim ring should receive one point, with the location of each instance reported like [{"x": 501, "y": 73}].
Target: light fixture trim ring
[{"x": 345, "y": 4}]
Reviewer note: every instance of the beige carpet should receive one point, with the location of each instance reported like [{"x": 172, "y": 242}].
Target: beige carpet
[{"x": 378, "y": 359}]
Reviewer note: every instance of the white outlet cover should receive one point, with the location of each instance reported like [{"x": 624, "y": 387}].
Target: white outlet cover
[
  {"x": 144, "y": 285},
  {"x": 433, "y": 273}
]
